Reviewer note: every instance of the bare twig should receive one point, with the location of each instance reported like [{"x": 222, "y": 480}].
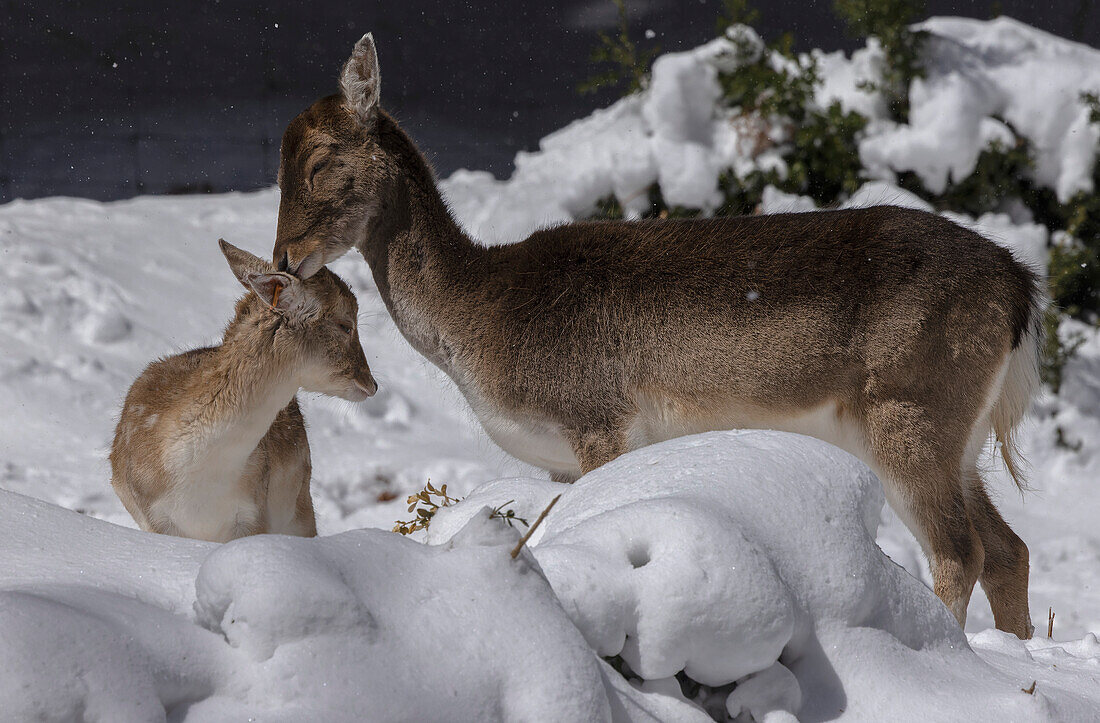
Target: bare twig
[
  {"x": 499, "y": 513},
  {"x": 527, "y": 535},
  {"x": 1050, "y": 622},
  {"x": 1031, "y": 690}
]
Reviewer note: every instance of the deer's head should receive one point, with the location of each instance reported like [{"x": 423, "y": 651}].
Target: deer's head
[
  {"x": 320, "y": 338},
  {"x": 334, "y": 173}
]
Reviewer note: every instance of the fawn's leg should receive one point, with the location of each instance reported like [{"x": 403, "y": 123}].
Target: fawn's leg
[{"x": 304, "y": 519}]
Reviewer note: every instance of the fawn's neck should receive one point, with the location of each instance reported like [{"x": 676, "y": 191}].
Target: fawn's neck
[{"x": 244, "y": 388}]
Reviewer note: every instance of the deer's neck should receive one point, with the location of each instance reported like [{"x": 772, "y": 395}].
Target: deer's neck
[
  {"x": 242, "y": 391},
  {"x": 423, "y": 263}
]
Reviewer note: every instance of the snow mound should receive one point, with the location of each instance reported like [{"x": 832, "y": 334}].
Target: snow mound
[
  {"x": 746, "y": 560},
  {"x": 751, "y": 557},
  {"x": 116, "y": 624},
  {"x": 376, "y": 626}
]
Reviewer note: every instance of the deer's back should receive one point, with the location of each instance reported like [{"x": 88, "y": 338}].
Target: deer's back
[
  {"x": 769, "y": 305},
  {"x": 785, "y": 258}
]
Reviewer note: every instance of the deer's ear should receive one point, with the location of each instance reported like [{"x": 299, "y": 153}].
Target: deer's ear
[
  {"x": 243, "y": 263},
  {"x": 284, "y": 292},
  {"x": 361, "y": 83}
]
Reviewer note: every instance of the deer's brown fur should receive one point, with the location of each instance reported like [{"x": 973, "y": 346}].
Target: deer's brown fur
[
  {"x": 211, "y": 443},
  {"x": 893, "y": 333}
]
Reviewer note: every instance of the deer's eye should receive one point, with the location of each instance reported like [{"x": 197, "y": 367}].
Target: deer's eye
[
  {"x": 345, "y": 328},
  {"x": 317, "y": 168}
]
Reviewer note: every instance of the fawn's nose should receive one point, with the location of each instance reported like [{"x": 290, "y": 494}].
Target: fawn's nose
[{"x": 368, "y": 386}]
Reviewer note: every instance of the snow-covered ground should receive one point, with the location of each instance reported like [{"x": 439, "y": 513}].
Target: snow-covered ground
[
  {"x": 729, "y": 555},
  {"x": 701, "y": 554}
]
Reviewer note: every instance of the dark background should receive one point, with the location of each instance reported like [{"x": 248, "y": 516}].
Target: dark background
[{"x": 109, "y": 100}]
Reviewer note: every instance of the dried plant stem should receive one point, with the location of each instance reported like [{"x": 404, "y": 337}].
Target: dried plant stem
[
  {"x": 527, "y": 535},
  {"x": 1050, "y": 622}
]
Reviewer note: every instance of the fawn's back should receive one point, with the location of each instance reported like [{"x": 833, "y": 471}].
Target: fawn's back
[{"x": 169, "y": 487}]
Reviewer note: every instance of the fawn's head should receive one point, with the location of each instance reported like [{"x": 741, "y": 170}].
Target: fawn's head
[
  {"x": 320, "y": 331},
  {"x": 336, "y": 169}
]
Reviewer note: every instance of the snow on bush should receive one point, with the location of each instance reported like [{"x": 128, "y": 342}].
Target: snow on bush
[{"x": 981, "y": 74}]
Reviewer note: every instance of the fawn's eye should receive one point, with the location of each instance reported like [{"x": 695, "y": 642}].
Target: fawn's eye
[{"x": 345, "y": 328}]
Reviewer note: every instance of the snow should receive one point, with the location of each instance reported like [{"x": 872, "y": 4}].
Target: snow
[
  {"x": 763, "y": 564},
  {"x": 700, "y": 554},
  {"x": 842, "y": 77},
  {"x": 362, "y": 625}
]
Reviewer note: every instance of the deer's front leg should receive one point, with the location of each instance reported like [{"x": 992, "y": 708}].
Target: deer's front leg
[{"x": 597, "y": 445}]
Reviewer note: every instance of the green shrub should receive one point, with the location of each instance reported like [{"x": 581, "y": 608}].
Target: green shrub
[
  {"x": 1001, "y": 173},
  {"x": 824, "y": 159},
  {"x": 626, "y": 65},
  {"x": 759, "y": 87},
  {"x": 1073, "y": 280},
  {"x": 889, "y": 21},
  {"x": 1056, "y": 351}
]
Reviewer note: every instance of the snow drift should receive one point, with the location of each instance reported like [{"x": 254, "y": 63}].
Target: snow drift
[
  {"x": 751, "y": 557},
  {"x": 736, "y": 557}
]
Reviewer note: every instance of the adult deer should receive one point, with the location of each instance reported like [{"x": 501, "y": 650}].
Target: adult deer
[{"x": 895, "y": 334}]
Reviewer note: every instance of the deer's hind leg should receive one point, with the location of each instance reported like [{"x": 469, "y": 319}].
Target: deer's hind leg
[
  {"x": 922, "y": 477},
  {"x": 1004, "y": 575}
]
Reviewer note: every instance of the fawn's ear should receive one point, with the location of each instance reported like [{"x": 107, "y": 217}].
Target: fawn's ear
[
  {"x": 361, "y": 83},
  {"x": 243, "y": 263},
  {"x": 277, "y": 289},
  {"x": 286, "y": 293}
]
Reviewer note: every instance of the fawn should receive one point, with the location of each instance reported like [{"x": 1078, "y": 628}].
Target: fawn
[
  {"x": 895, "y": 334},
  {"x": 211, "y": 443}
]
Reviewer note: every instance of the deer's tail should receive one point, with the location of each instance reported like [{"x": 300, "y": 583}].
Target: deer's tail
[{"x": 1021, "y": 382}]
